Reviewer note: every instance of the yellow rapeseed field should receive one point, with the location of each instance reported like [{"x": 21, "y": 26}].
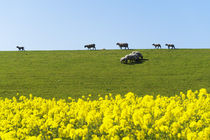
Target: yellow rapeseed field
[{"x": 184, "y": 116}]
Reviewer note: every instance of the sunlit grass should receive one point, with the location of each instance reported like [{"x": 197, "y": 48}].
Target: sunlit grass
[{"x": 75, "y": 73}]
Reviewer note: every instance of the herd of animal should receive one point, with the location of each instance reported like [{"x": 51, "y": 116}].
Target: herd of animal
[
  {"x": 135, "y": 56},
  {"x": 93, "y": 46},
  {"x": 125, "y": 46},
  {"x": 170, "y": 46},
  {"x": 121, "y": 45}
]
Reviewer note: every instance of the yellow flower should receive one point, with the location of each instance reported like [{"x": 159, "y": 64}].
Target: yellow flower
[{"x": 121, "y": 117}]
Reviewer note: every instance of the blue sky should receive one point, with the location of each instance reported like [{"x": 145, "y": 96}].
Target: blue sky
[{"x": 70, "y": 24}]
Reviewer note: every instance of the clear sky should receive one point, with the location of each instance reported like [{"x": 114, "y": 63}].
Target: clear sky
[{"x": 70, "y": 24}]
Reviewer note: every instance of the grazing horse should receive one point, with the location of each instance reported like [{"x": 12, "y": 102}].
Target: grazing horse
[
  {"x": 170, "y": 46},
  {"x": 20, "y": 48},
  {"x": 121, "y": 45},
  {"x": 90, "y": 46},
  {"x": 158, "y": 46}
]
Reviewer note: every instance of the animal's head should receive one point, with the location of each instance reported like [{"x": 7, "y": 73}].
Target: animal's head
[
  {"x": 85, "y": 46},
  {"x": 17, "y": 46},
  {"x": 118, "y": 44},
  {"x": 153, "y": 44},
  {"x": 166, "y": 44}
]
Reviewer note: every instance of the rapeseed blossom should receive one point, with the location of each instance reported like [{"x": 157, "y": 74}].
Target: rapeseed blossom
[{"x": 184, "y": 116}]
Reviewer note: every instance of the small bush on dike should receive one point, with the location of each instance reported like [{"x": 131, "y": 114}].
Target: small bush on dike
[{"x": 184, "y": 116}]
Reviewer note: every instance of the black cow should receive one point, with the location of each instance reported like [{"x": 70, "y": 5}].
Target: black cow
[
  {"x": 20, "y": 48},
  {"x": 93, "y": 46}
]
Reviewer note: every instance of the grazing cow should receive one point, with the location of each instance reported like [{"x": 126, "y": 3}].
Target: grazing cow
[
  {"x": 170, "y": 46},
  {"x": 121, "y": 45},
  {"x": 158, "y": 46},
  {"x": 93, "y": 46},
  {"x": 20, "y": 48}
]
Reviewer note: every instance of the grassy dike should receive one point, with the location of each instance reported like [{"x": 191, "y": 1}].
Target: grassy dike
[{"x": 75, "y": 73}]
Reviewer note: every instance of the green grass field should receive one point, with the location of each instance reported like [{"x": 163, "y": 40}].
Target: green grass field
[{"x": 75, "y": 73}]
